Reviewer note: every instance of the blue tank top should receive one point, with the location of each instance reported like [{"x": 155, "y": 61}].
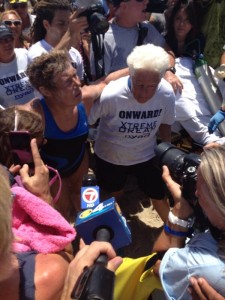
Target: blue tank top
[{"x": 64, "y": 151}]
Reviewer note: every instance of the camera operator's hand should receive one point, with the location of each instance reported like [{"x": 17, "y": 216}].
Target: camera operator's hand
[
  {"x": 72, "y": 36},
  {"x": 86, "y": 257},
  {"x": 77, "y": 26},
  {"x": 181, "y": 208},
  {"x": 201, "y": 290},
  {"x": 38, "y": 183}
]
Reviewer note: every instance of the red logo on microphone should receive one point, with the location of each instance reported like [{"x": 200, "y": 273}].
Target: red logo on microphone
[{"x": 90, "y": 195}]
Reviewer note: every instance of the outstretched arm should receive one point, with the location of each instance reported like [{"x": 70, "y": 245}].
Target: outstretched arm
[
  {"x": 181, "y": 209},
  {"x": 170, "y": 76},
  {"x": 92, "y": 92}
]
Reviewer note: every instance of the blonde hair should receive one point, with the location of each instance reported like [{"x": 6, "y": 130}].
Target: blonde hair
[
  {"x": 6, "y": 235},
  {"x": 10, "y": 12},
  {"x": 148, "y": 57},
  {"x": 212, "y": 168}
]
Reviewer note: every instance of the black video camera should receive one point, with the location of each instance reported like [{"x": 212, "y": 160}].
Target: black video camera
[
  {"x": 183, "y": 169},
  {"x": 97, "y": 21}
]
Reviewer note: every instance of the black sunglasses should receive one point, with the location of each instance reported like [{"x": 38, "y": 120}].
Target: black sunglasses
[
  {"x": 18, "y": 5},
  {"x": 12, "y": 22}
]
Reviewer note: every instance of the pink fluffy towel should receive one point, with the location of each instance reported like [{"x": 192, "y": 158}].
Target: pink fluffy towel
[{"x": 37, "y": 225}]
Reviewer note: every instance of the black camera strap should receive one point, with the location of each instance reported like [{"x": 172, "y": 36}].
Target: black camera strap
[
  {"x": 142, "y": 33},
  {"x": 99, "y": 51}
]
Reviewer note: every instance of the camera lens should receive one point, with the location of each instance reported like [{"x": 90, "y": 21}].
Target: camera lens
[{"x": 167, "y": 154}]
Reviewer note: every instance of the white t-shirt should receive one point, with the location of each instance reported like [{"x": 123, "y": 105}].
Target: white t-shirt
[
  {"x": 26, "y": 31},
  {"x": 43, "y": 47},
  {"x": 127, "y": 129},
  {"x": 191, "y": 102},
  {"x": 15, "y": 87}
]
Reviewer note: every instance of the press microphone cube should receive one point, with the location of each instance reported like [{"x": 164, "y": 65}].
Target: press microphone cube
[{"x": 106, "y": 215}]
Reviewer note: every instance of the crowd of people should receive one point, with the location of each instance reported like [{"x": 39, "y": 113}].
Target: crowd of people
[{"x": 136, "y": 85}]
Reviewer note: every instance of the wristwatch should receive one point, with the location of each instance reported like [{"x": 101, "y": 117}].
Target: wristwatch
[
  {"x": 171, "y": 69},
  {"x": 221, "y": 108},
  {"x": 177, "y": 221}
]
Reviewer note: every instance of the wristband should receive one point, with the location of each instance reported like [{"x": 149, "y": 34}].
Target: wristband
[
  {"x": 177, "y": 233},
  {"x": 223, "y": 111},
  {"x": 177, "y": 221},
  {"x": 171, "y": 69}
]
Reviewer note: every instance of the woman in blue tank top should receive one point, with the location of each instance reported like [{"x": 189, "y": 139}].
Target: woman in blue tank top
[{"x": 64, "y": 109}]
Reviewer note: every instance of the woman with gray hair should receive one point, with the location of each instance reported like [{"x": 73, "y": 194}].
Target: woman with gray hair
[{"x": 132, "y": 110}]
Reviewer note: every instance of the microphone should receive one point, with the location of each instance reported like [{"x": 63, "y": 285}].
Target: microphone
[
  {"x": 104, "y": 223},
  {"x": 89, "y": 192}
]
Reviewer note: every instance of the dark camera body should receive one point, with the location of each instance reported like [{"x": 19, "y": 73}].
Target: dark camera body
[
  {"x": 97, "y": 21},
  {"x": 157, "y": 6},
  {"x": 183, "y": 169}
]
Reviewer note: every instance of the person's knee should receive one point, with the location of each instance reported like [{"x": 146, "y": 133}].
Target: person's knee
[{"x": 50, "y": 273}]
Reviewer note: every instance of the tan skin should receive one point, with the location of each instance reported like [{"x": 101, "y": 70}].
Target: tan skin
[
  {"x": 201, "y": 290},
  {"x": 7, "y": 53},
  {"x": 23, "y": 12},
  {"x": 16, "y": 29},
  {"x": 182, "y": 27},
  {"x": 50, "y": 269},
  {"x": 64, "y": 30}
]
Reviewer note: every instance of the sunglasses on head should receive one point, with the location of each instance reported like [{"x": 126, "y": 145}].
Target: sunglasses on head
[
  {"x": 12, "y": 22},
  {"x": 18, "y": 5}
]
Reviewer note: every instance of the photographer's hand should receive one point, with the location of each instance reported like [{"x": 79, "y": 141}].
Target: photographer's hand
[
  {"x": 174, "y": 235},
  {"x": 72, "y": 35},
  {"x": 181, "y": 208},
  {"x": 86, "y": 257},
  {"x": 77, "y": 26},
  {"x": 38, "y": 183}
]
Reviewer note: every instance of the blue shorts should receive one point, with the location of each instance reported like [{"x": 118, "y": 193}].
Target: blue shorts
[{"x": 112, "y": 178}]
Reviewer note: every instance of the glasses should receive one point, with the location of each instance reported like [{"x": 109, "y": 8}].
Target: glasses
[
  {"x": 18, "y": 5},
  {"x": 12, "y": 22}
]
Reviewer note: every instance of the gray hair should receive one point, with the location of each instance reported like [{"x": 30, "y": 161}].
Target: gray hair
[{"x": 148, "y": 57}]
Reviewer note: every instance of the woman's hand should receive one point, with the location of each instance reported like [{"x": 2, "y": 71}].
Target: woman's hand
[
  {"x": 38, "y": 183},
  {"x": 181, "y": 208}
]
